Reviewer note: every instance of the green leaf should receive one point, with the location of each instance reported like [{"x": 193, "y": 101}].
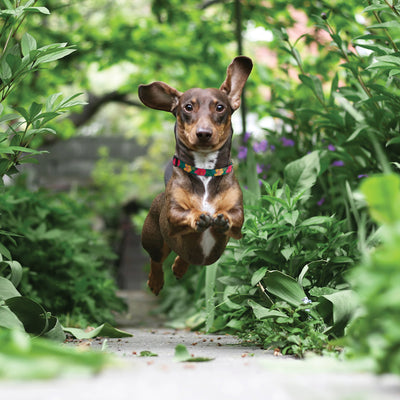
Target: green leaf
[
  {"x": 302, "y": 174},
  {"x": 284, "y": 287},
  {"x": 8, "y": 117},
  {"x": 320, "y": 220},
  {"x": 3, "y": 249},
  {"x": 16, "y": 271},
  {"x": 261, "y": 312},
  {"x": 147, "y": 353},
  {"x": 395, "y": 140},
  {"x": 387, "y": 24},
  {"x": 288, "y": 251},
  {"x": 53, "y": 53},
  {"x": 22, "y": 357},
  {"x": 104, "y": 330},
  {"x": 382, "y": 193},
  {"x": 54, "y": 330},
  {"x": 9, "y": 320},
  {"x": 7, "y": 289},
  {"x": 258, "y": 275},
  {"x": 28, "y": 43},
  {"x": 314, "y": 83},
  {"x": 5, "y": 70},
  {"x": 42, "y": 10},
  {"x": 338, "y": 309},
  {"x": 31, "y": 314},
  {"x": 182, "y": 355}
]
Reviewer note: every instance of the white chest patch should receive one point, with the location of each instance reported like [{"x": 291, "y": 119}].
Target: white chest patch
[{"x": 206, "y": 161}]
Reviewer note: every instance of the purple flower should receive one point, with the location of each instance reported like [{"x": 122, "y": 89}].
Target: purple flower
[
  {"x": 362, "y": 176},
  {"x": 321, "y": 201},
  {"x": 260, "y": 147},
  {"x": 272, "y": 147},
  {"x": 287, "y": 142},
  {"x": 246, "y": 137},
  {"x": 338, "y": 163},
  {"x": 259, "y": 169},
  {"x": 331, "y": 147},
  {"x": 242, "y": 154}
]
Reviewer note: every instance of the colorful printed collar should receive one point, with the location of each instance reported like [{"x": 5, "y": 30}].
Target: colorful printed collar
[{"x": 201, "y": 171}]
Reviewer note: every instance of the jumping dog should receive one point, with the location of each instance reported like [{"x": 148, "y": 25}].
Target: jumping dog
[{"x": 202, "y": 206}]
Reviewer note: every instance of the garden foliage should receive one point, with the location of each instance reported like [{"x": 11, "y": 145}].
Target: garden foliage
[
  {"x": 285, "y": 284},
  {"x": 47, "y": 247}
]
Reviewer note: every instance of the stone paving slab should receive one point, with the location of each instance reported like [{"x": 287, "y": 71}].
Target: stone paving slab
[{"x": 237, "y": 372}]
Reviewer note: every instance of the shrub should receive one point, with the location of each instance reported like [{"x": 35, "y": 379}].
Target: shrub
[{"x": 67, "y": 266}]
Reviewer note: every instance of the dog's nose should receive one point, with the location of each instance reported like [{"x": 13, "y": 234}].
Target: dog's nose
[{"x": 204, "y": 134}]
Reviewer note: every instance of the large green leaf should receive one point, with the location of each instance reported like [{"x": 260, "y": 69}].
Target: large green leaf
[
  {"x": 31, "y": 314},
  {"x": 338, "y": 309},
  {"x": 302, "y": 174},
  {"x": 9, "y": 320},
  {"x": 284, "y": 287},
  {"x": 382, "y": 193},
  {"x": 261, "y": 312},
  {"x": 22, "y": 357},
  {"x": 7, "y": 289}
]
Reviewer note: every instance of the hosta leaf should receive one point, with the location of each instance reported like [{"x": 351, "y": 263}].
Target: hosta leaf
[
  {"x": 258, "y": 275},
  {"x": 284, "y": 287},
  {"x": 261, "y": 312}
]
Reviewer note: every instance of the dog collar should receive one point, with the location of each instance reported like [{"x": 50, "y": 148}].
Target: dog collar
[{"x": 201, "y": 171}]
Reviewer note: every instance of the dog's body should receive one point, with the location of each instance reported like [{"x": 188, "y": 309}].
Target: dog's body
[{"x": 201, "y": 207}]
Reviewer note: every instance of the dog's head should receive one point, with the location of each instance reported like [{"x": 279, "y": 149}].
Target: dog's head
[{"x": 203, "y": 115}]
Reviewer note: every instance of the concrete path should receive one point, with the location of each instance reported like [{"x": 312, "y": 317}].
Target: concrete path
[{"x": 236, "y": 372}]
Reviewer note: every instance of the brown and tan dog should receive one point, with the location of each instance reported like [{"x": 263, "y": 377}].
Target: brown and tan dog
[{"x": 202, "y": 206}]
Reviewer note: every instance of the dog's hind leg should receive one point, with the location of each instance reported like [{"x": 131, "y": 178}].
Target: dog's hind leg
[
  {"x": 154, "y": 244},
  {"x": 179, "y": 267}
]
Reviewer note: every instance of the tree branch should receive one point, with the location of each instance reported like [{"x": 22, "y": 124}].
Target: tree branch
[{"x": 96, "y": 102}]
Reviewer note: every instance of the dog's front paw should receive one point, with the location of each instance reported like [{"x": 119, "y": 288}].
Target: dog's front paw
[
  {"x": 221, "y": 223},
  {"x": 204, "y": 221}
]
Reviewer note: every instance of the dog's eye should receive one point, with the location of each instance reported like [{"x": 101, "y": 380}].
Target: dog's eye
[
  {"x": 188, "y": 107},
  {"x": 220, "y": 107}
]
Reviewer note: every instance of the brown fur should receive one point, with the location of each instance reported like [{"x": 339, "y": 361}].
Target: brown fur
[{"x": 179, "y": 219}]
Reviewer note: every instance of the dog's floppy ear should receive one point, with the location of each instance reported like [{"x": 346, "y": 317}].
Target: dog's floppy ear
[
  {"x": 159, "y": 95},
  {"x": 236, "y": 76}
]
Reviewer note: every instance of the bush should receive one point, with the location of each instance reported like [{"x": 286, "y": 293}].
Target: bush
[
  {"x": 333, "y": 125},
  {"x": 67, "y": 266},
  {"x": 282, "y": 283}
]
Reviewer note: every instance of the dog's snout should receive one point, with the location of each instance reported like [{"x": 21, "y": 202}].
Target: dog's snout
[{"x": 204, "y": 134}]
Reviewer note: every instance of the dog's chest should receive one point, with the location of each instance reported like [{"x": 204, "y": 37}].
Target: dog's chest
[{"x": 207, "y": 161}]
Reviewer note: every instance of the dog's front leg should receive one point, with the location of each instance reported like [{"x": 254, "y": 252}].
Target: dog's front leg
[
  {"x": 229, "y": 216},
  {"x": 184, "y": 214}
]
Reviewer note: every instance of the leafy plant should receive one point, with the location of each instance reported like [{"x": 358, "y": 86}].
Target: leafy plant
[
  {"x": 69, "y": 271},
  {"x": 282, "y": 284},
  {"x": 39, "y": 219},
  {"x": 22, "y": 357},
  {"x": 375, "y": 333}
]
